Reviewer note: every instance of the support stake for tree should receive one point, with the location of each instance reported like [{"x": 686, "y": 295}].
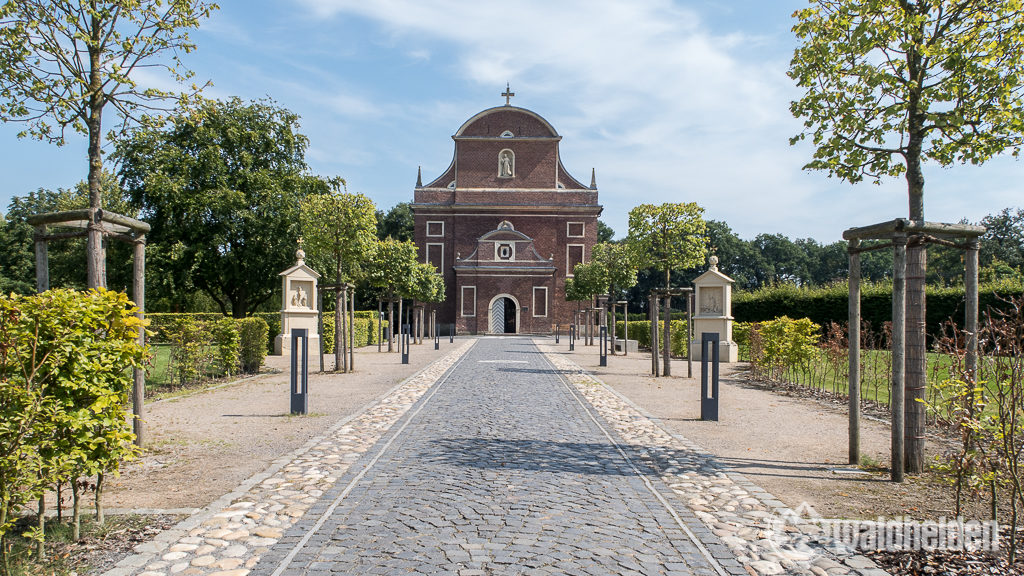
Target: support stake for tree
[
  {"x": 853, "y": 383},
  {"x": 899, "y": 293}
]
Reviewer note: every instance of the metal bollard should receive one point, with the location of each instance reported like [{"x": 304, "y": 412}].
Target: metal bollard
[
  {"x": 404, "y": 339},
  {"x": 603, "y": 346},
  {"x": 709, "y": 398},
  {"x": 300, "y": 373},
  {"x": 437, "y": 336},
  {"x": 572, "y": 337},
  {"x": 451, "y": 333},
  {"x": 558, "y": 328}
]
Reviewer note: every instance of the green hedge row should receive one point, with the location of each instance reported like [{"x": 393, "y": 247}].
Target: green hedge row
[
  {"x": 204, "y": 347},
  {"x": 640, "y": 331},
  {"x": 830, "y": 303},
  {"x": 366, "y": 328}
]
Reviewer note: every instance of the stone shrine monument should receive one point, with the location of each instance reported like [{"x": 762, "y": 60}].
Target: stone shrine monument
[
  {"x": 714, "y": 312},
  {"x": 299, "y": 306}
]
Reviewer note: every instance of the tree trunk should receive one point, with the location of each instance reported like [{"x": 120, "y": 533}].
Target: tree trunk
[
  {"x": 100, "y": 517},
  {"x": 916, "y": 363},
  {"x": 339, "y": 352},
  {"x": 343, "y": 328},
  {"x": 41, "y": 519},
  {"x": 95, "y": 265},
  {"x": 76, "y": 512}
]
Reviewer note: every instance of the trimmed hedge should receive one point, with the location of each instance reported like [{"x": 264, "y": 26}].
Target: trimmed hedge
[
  {"x": 830, "y": 303},
  {"x": 365, "y": 328},
  {"x": 253, "y": 334},
  {"x": 640, "y": 331}
]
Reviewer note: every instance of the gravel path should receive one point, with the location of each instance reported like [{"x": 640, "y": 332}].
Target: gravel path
[{"x": 204, "y": 445}]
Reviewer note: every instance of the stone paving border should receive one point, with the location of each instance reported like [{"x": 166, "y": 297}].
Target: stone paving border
[
  {"x": 765, "y": 535},
  {"x": 228, "y": 537}
]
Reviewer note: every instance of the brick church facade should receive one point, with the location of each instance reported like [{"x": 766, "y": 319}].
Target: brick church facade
[{"x": 505, "y": 224}]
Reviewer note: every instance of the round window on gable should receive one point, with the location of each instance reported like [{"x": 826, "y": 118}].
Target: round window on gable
[{"x": 507, "y": 134}]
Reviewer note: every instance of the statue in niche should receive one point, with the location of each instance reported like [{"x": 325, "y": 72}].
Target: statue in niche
[
  {"x": 299, "y": 298},
  {"x": 505, "y": 164},
  {"x": 710, "y": 304}
]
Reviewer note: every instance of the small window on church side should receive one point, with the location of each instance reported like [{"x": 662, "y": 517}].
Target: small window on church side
[
  {"x": 573, "y": 256},
  {"x": 504, "y": 251},
  {"x": 540, "y": 301},
  {"x": 469, "y": 300},
  {"x": 574, "y": 229}
]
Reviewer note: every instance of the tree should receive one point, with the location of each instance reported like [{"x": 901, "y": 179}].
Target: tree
[
  {"x": 62, "y": 62},
  {"x": 604, "y": 232},
  {"x": 339, "y": 230},
  {"x": 397, "y": 223},
  {"x": 891, "y": 84},
  {"x": 669, "y": 236},
  {"x": 222, "y": 184},
  {"x": 1004, "y": 238},
  {"x": 391, "y": 270}
]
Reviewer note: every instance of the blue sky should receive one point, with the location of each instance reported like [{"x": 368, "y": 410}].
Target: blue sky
[{"x": 669, "y": 101}]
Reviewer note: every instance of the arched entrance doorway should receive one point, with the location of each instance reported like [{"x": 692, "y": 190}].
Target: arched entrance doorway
[{"x": 504, "y": 317}]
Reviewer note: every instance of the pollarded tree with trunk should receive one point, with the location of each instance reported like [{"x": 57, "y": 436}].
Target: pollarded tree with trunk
[
  {"x": 339, "y": 229},
  {"x": 892, "y": 84},
  {"x": 669, "y": 236},
  {"x": 62, "y": 62},
  {"x": 391, "y": 269}
]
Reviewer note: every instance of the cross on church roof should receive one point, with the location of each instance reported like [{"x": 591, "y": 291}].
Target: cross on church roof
[{"x": 507, "y": 94}]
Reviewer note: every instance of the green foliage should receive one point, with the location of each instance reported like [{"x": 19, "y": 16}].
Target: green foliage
[
  {"x": 605, "y": 233},
  {"x": 785, "y": 343},
  {"x": 619, "y": 267},
  {"x": 65, "y": 360},
  {"x": 640, "y": 330},
  {"x": 253, "y": 340},
  {"x": 221, "y": 186},
  {"x": 830, "y": 303},
  {"x": 588, "y": 280},
  {"x": 192, "y": 351},
  {"x": 228, "y": 342},
  {"x": 366, "y": 328},
  {"x": 397, "y": 223},
  {"x": 427, "y": 284},
  {"x": 338, "y": 229},
  {"x": 894, "y": 82},
  {"x": 669, "y": 236},
  {"x": 391, "y": 268}
]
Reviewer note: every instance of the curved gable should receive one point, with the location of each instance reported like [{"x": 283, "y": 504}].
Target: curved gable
[{"x": 493, "y": 122}]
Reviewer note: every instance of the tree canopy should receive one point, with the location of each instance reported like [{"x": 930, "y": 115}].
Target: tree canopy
[
  {"x": 397, "y": 223},
  {"x": 892, "y": 83},
  {"x": 221, "y": 185},
  {"x": 670, "y": 236},
  {"x": 63, "y": 61},
  {"x": 339, "y": 230}
]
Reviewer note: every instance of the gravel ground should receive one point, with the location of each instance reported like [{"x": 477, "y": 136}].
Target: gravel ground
[
  {"x": 790, "y": 445},
  {"x": 202, "y": 446}
]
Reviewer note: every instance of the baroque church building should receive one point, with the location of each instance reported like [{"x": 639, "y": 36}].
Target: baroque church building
[{"x": 505, "y": 224}]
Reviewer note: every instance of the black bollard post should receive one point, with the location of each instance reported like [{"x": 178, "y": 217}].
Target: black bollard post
[
  {"x": 558, "y": 327},
  {"x": 300, "y": 371},
  {"x": 404, "y": 339},
  {"x": 572, "y": 337},
  {"x": 451, "y": 333},
  {"x": 603, "y": 346},
  {"x": 437, "y": 336},
  {"x": 709, "y": 397}
]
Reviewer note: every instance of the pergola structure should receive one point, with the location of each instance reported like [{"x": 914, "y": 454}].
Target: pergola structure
[
  {"x": 897, "y": 234},
  {"x": 80, "y": 224}
]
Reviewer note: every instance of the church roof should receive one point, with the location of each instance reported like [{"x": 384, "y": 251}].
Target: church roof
[{"x": 508, "y": 122}]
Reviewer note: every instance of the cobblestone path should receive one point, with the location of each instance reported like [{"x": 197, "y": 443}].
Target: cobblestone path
[{"x": 501, "y": 468}]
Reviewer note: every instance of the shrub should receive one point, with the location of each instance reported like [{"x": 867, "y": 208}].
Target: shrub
[
  {"x": 781, "y": 343},
  {"x": 65, "y": 372},
  {"x": 228, "y": 342},
  {"x": 253, "y": 334},
  {"x": 641, "y": 332},
  {"x": 192, "y": 350}
]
